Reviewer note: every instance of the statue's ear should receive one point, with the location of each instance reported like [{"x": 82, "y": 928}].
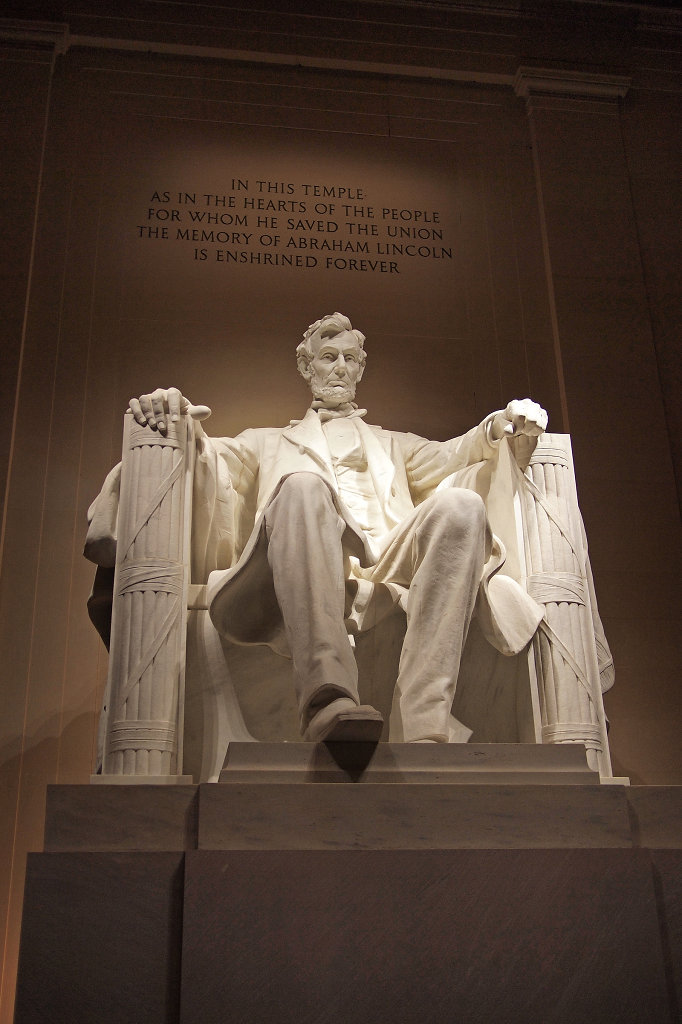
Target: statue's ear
[
  {"x": 362, "y": 370},
  {"x": 304, "y": 368}
]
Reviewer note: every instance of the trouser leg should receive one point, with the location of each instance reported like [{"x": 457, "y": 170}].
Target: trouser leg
[
  {"x": 442, "y": 565},
  {"x": 305, "y": 554}
]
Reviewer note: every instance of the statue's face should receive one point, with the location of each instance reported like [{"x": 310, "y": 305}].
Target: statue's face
[{"x": 335, "y": 368}]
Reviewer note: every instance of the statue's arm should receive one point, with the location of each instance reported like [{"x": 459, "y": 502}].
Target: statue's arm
[
  {"x": 223, "y": 500},
  {"x": 225, "y": 470},
  {"x": 521, "y": 417},
  {"x": 155, "y": 410},
  {"x": 224, "y": 476},
  {"x": 428, "y": 463},
  {"x": 521, "y": 423}
]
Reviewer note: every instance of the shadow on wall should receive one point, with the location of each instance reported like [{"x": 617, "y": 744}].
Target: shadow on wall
[{"x": 34, "y": 761}]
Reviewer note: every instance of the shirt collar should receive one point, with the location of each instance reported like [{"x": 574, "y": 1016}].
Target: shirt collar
[{"x": 349, "y": 411}]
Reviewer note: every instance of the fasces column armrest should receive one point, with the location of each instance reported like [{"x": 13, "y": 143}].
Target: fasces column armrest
[{"x": 143, "y": 735}]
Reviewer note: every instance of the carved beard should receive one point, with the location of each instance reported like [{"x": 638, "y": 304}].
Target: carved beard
[{"x": 330, "y": 395}]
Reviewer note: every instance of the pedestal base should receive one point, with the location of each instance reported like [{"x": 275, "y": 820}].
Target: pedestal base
[
  {"x": 422, "y": 937},
  {"x": 306, "y": 901},
  {"x": 141, "y": 780}
]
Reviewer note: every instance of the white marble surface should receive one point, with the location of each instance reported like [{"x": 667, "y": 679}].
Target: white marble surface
[{"x": 529, "y": 572}]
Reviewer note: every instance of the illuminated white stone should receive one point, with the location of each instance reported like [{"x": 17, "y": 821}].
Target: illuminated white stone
[{"x": 283, "y": 514}]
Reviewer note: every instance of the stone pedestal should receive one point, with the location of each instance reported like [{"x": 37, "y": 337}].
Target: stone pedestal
[
  {"x": 305, "y": 888},
  {"x": 518, "y": 936}
]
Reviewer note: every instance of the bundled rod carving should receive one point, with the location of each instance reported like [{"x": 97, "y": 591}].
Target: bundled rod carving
[
  {"x": 147, "y": 659},
  {"x": 566, "y": 649}
]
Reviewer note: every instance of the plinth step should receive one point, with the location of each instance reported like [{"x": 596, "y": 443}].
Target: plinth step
[
  {"x": 436, "y": 763},
  {"x": 298, "y": 816}
]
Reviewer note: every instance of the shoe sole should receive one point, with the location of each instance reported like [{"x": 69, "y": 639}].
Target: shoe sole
[{"x": 358, "y": 726}]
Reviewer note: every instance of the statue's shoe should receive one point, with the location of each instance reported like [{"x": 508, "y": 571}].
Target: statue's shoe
[{"x": 342, "y": 721}]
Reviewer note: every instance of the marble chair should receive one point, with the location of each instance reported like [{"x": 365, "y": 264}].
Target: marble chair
[{"x": 177, "y": 693}]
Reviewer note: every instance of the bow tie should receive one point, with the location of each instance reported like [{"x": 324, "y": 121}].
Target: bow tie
[{"x": 349, "y": 410}]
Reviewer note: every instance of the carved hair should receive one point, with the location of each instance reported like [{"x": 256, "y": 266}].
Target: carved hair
[{"x": 304, "y": 352}]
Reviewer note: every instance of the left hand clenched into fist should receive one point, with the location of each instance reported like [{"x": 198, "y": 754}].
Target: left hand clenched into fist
[{"x": 522, "y": 416}]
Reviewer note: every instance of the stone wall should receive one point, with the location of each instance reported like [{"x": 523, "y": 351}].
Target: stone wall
[{"x": 543, "y": 135}]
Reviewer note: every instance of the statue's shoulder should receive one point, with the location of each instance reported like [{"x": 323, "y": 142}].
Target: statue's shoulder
[
  {"x": 247, "y": 443},
  {"x": 405, "y": 439},
  {"x": 376, "y": 429},
  {"x": 263, "y": 438},
  {"x": 265, "y": 431},
  {"x": 259, "y": 434}
]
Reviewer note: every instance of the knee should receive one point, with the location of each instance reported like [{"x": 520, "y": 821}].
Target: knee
[
  {"x": 306, "y": 488},
  {"x": 459, "y": 516},
  {"x": 459, "y": 505}
]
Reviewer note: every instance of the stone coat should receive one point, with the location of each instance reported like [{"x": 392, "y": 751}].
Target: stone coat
[{"x": 236, "y": 478}]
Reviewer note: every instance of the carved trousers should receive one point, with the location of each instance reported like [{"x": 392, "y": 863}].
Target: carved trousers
[{"x": 437, "y": 553}]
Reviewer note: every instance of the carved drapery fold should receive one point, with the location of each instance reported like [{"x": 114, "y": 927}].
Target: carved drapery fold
[{"x": 147, "y": 658}]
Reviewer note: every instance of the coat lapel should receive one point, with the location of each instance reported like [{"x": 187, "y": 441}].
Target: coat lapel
[{"x": 307, "y": 435}]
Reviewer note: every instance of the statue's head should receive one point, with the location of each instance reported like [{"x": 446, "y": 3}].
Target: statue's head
[{"x": 331, "y": 358}]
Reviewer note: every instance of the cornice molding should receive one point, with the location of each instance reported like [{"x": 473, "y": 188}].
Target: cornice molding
[
  {"x": 532, "y": 81},
  {"x": 36, "y": 33}
]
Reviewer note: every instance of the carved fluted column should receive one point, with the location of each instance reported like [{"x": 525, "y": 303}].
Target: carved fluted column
[
  {"x": 566, "y": 657},
  {"x": 147, "y": 656}
]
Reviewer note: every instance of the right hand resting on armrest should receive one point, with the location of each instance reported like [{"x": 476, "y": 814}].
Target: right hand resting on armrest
[{"x": 163, "y": 406}]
